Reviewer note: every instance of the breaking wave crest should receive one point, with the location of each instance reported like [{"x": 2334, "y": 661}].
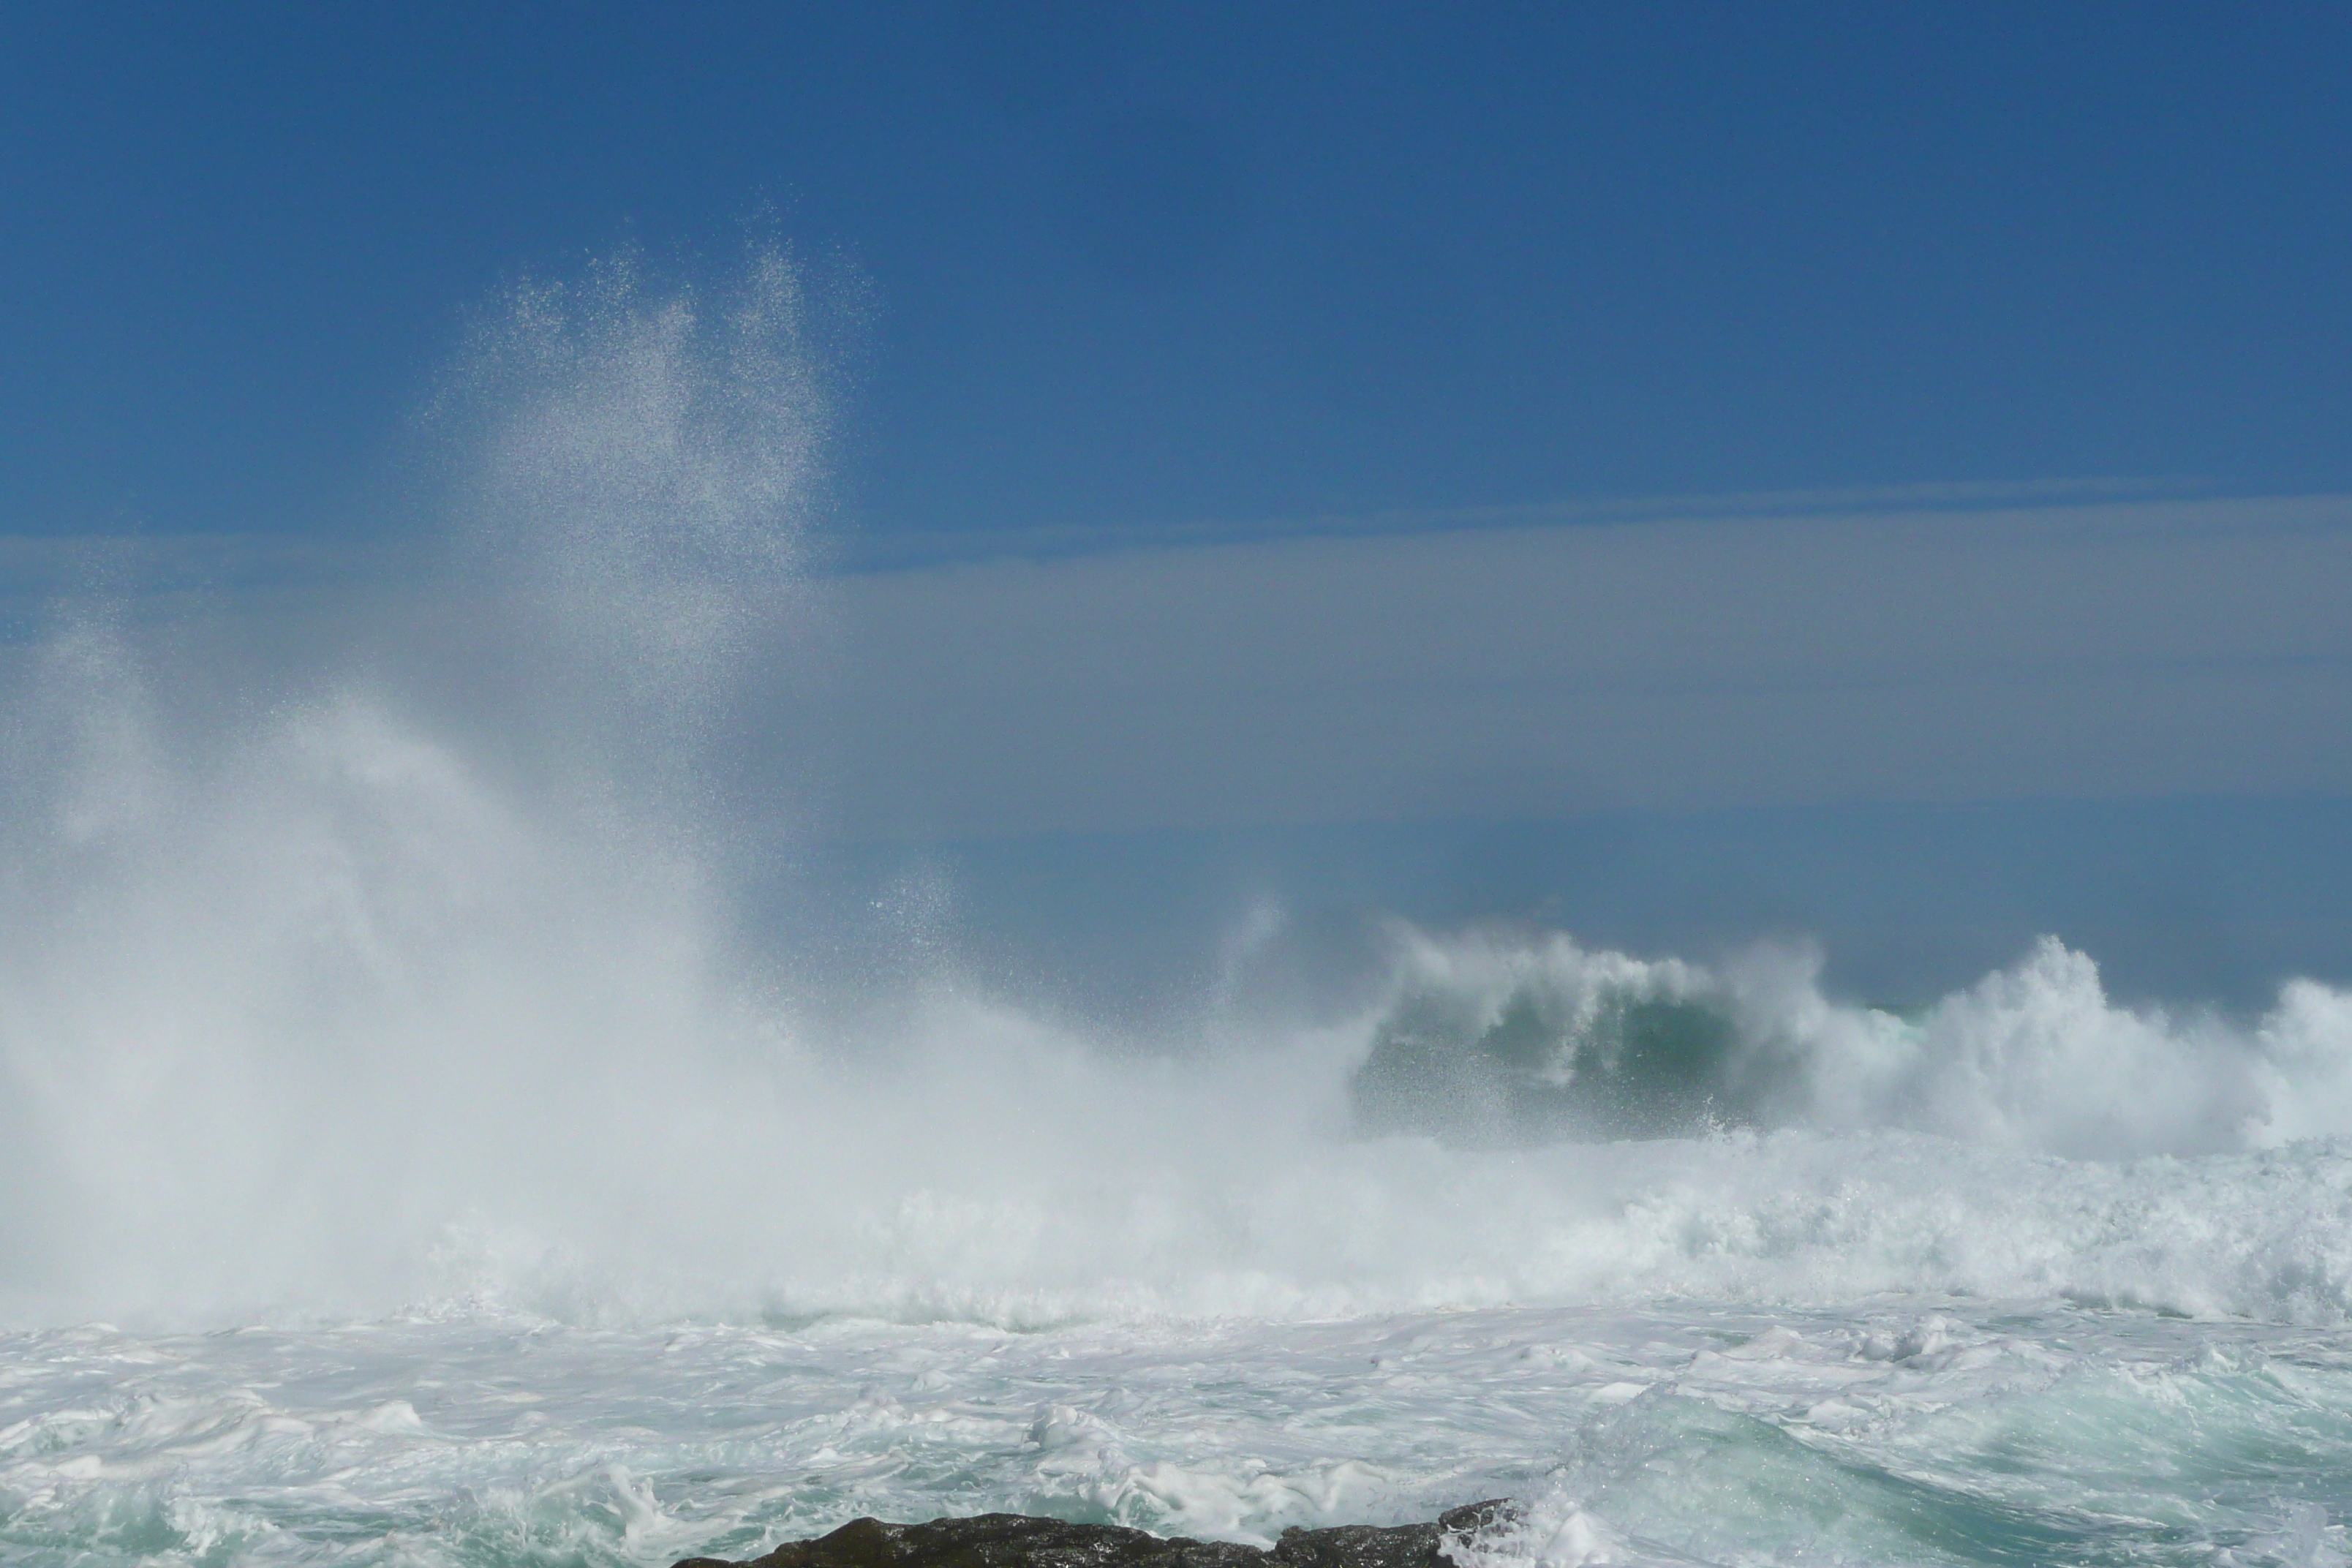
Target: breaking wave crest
[
  {"x": 418, "y": 981},
  {"x": 1533, "y": 1037}
]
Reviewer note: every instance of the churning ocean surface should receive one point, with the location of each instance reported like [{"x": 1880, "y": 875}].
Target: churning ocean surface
[{"x": 408, "y": 1153}]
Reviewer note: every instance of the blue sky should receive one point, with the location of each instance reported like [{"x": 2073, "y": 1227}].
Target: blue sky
[
  {"x": 1682, "y": 471},
  {"x": 1146, "y": 265}
]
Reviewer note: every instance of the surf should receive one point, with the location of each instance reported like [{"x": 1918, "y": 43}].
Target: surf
[{"x": 413, "y": 966}]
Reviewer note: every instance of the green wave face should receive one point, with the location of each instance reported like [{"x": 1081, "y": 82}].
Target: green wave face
[{"x": 1545, "y": 1069}]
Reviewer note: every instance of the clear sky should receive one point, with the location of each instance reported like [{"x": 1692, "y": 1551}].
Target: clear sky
[
  {"x": 2005, "y": 349},
  {"x": 1152, "y": 264}
]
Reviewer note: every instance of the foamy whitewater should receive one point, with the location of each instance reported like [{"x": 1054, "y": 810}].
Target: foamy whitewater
[{"x": 410, "y": 1152}]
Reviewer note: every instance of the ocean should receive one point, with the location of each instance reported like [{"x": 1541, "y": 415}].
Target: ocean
[{"x": 413, "y": 1148}]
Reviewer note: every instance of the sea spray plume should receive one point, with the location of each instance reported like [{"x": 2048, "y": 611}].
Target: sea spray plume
[
  {"x": 2306, "y": 1047},
  {"x": 77, "y": 765},
  {"x": 326, "y": 989},
  {"x": 2037, "y": 1056},
  {"x": 287, "y": 988},
  {"x": 631, "y": 476}
]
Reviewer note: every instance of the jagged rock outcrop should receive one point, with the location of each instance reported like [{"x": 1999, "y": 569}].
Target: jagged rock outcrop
[{"x": 1019, "y": 1541}]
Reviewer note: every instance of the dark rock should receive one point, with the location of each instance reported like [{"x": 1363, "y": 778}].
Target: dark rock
[
  {"x": 1401, "y": 1546},
  {"x": 1019, "y": 1541}
]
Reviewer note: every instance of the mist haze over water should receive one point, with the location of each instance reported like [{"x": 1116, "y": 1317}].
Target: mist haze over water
[{"x": 422, "y": 1146}]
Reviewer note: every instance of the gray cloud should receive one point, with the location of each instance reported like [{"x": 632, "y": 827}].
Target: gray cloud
[
  {"x": 2104, "y": 649},
  {"x": 1938, "y": 649}
]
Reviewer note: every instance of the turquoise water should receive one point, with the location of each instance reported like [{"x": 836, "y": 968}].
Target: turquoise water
[{"x": 1890, "y": 1431}]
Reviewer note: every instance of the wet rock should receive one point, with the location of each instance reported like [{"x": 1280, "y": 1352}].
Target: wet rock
[{"x": 1019, "y": 1541}]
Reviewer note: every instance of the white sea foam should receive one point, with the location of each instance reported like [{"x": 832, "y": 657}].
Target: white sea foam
[{"x": 1893, "y": 1432}]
